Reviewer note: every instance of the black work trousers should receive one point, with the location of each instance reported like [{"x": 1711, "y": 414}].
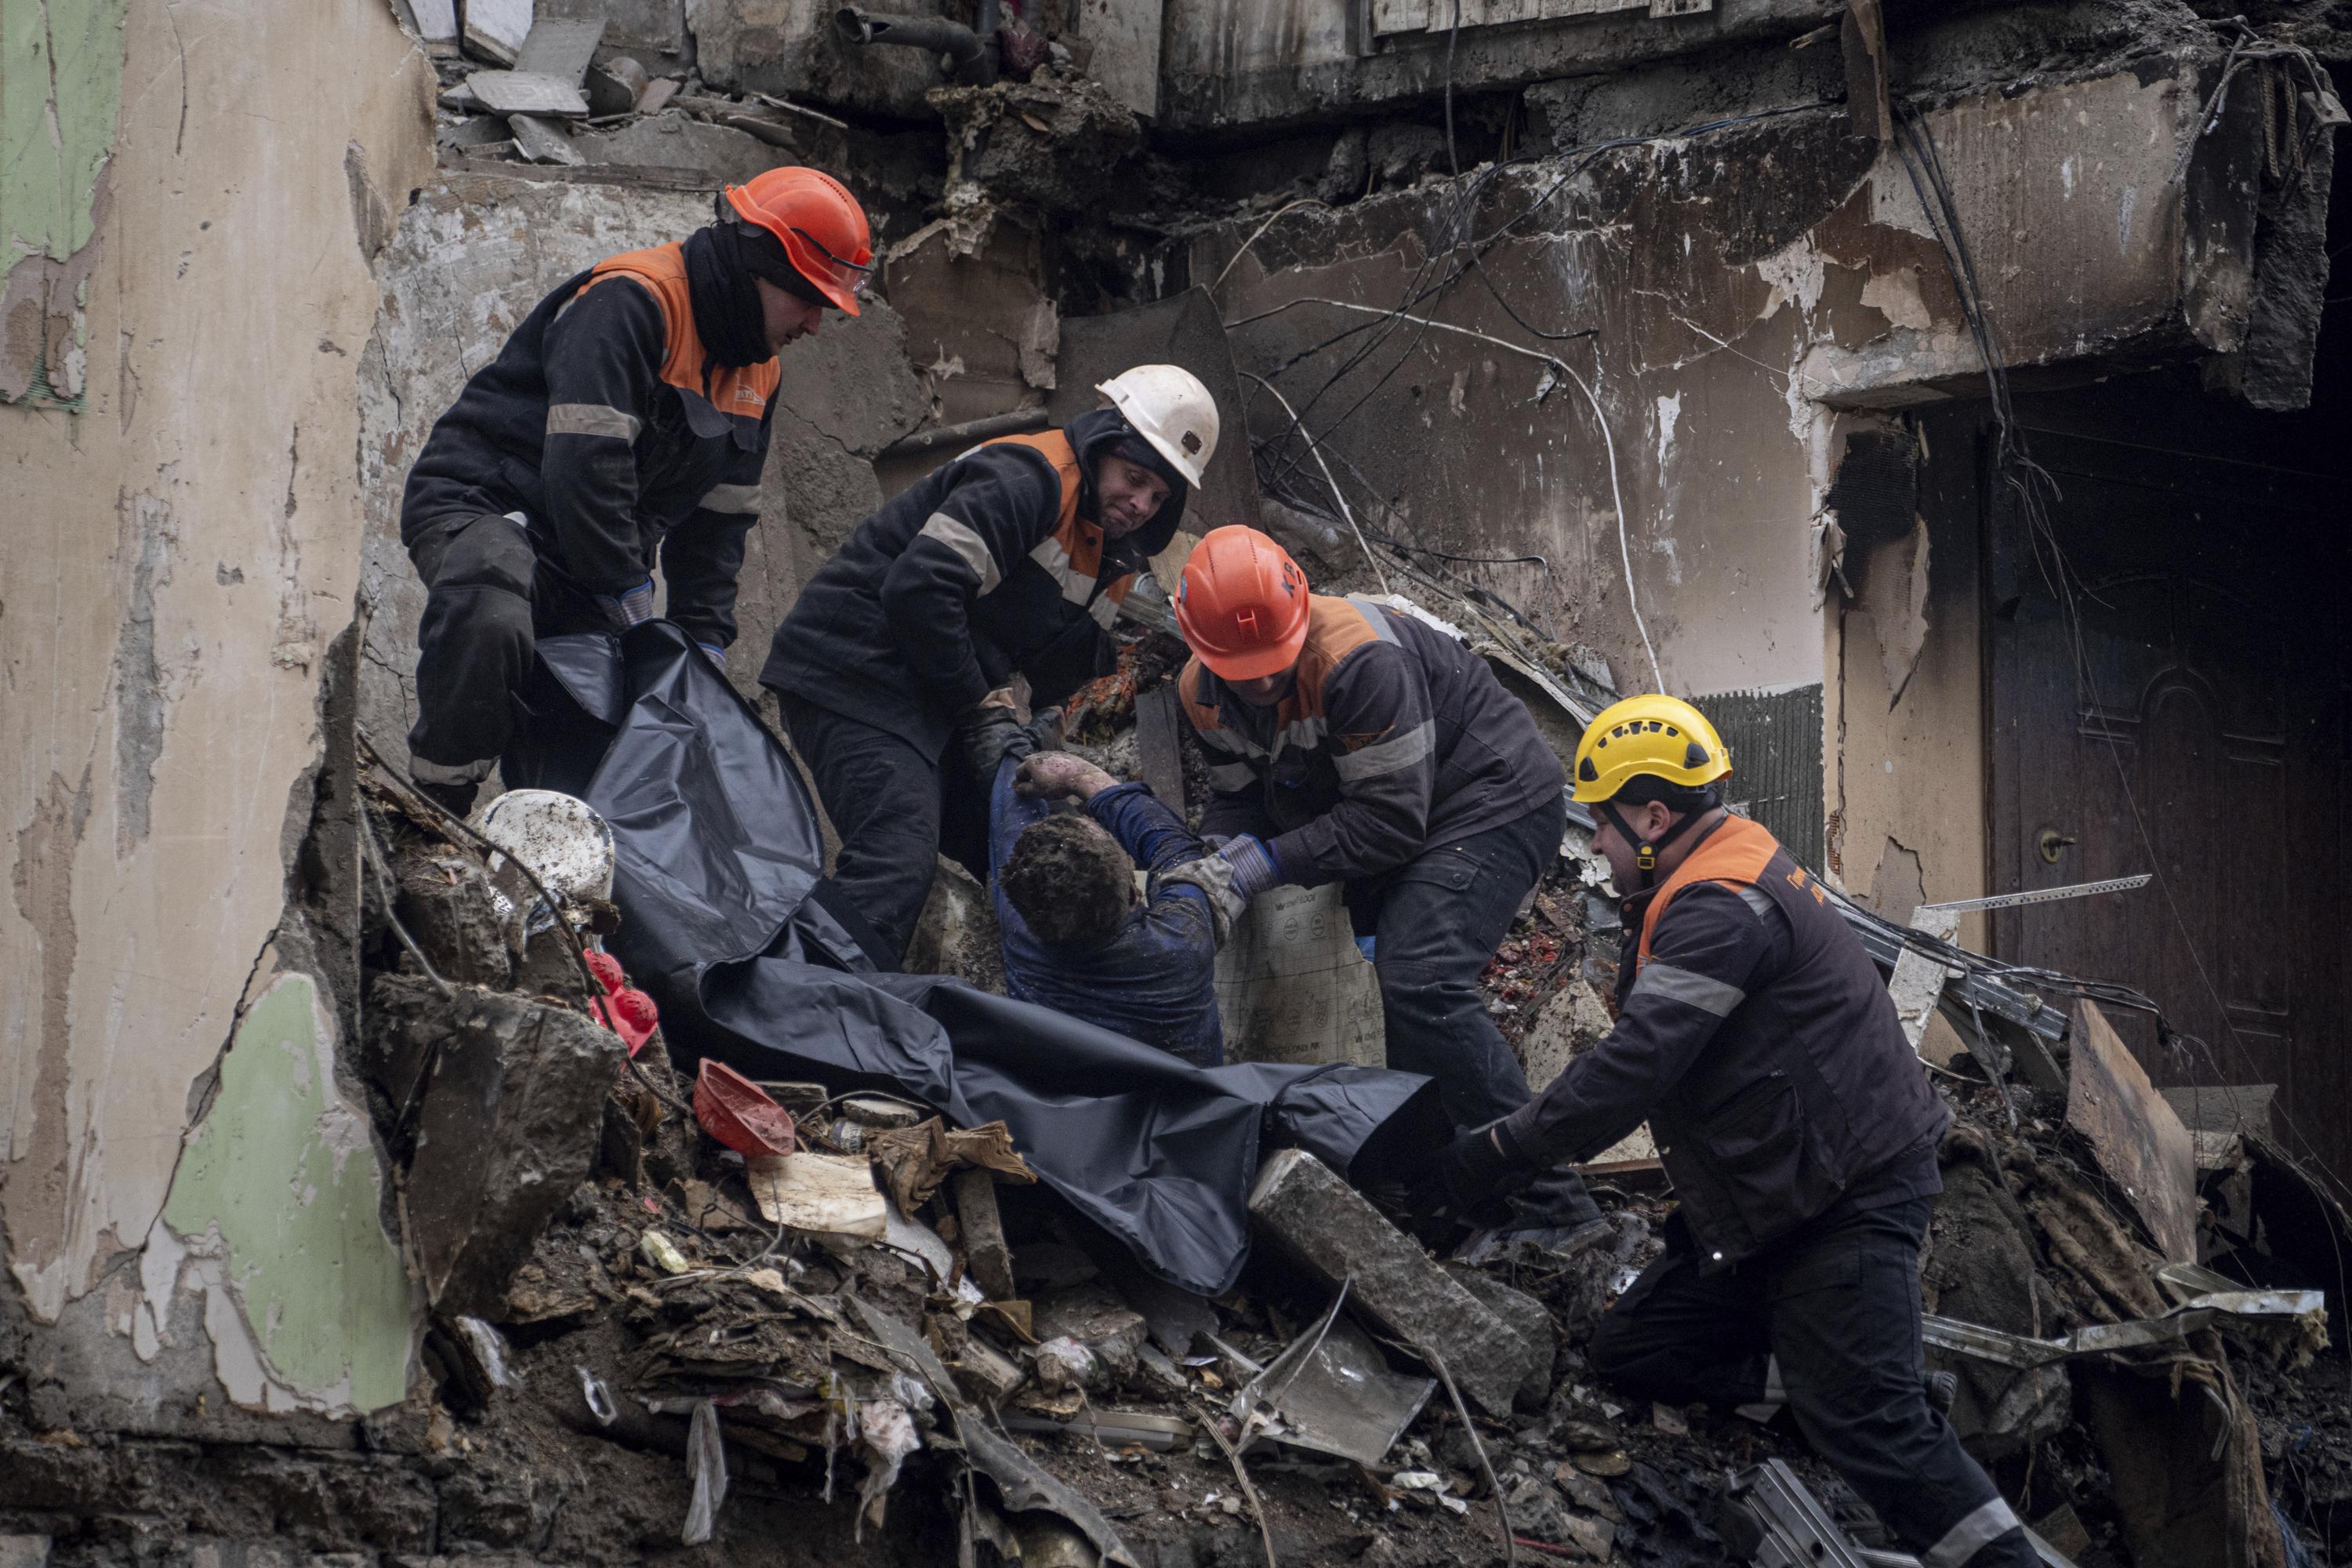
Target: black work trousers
[
  {"x": 1438, "y": 919},
  {"x": 473, "y": 646},
  {"x": 1827, "y": 1321},
  {"x": 896, "y": 807}
]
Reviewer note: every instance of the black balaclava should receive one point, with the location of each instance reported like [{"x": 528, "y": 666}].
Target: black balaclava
[
  {"x": 723, "y": 263},
  {"x": 1144, "y": 455}
]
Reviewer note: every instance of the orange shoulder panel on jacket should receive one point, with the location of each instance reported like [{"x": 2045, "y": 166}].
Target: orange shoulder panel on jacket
[
  {"x": 1335, "y": 628},
  {"x": 740, "y": 391},
  {"x": 1734, "y": 855},
  {"x": 1188, "y": 692},
  {"x": 1056, "y": 449}
]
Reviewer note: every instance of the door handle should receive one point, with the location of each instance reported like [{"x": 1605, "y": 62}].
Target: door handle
[{"x": 2053, "y": 843}]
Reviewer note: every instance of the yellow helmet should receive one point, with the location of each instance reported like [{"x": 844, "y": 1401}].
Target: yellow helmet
[{"x": 1655, "y": 735}]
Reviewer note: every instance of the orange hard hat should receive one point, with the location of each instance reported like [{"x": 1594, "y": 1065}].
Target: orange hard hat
[
  {"x": 822, "y": 227},
  {"x": 1241, "y": 604}
]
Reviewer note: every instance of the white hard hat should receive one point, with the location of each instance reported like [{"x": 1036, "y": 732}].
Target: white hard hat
[{"x": 1168, "y": 407}]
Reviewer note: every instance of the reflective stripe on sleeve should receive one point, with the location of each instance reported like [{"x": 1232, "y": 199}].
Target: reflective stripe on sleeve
[
  {"x": 1691, "y": 989},
  {"x": 591, "y": 419},
  {"x": 1385, "y": 757},
  {"x": 733, "y": 500},
  {"x": 973, "y": 550}
]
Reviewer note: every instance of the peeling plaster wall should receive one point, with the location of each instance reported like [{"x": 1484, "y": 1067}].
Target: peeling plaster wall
[
  {"x": 467, "y": 262},
  {"x": 1906, "y": 775},
  {"x": 282, "y": 1174},
  {"x": 181, "y": 554},
  {"x": 1752, "y": 297}
]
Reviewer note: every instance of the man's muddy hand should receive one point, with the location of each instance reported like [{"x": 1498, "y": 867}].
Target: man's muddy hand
[{"x": 1055, "y": 775}]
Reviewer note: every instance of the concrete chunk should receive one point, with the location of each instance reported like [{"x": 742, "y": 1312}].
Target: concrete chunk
[
  {"x": 526, "y": 92},
  {"x": 1097, "y": 1319},
  {"x": 1529, "y": 1318},
  {"x": 508, "y": 1122},
  {"x": 1325, "y": 1225}
]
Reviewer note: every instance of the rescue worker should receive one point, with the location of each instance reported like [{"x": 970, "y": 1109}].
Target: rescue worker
[
  {"x": 892, "y": 668},
  {"x": 1078, "y": 937},
  {"x": 1757, "y": 1039},
  {"x": 624, "y": 423},
  {"x": 1352, "y": 743}
]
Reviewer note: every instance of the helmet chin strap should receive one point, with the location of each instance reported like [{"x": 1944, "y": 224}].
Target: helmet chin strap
[{"x": 1645, "y": 851}]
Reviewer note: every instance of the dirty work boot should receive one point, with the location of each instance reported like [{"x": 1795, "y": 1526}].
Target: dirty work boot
[
  {"x": 457, "y": 799},
  {"x": 1942, "y": 1388}
]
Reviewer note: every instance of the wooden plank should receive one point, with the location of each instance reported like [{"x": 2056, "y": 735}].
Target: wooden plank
[
  {"x": 2134, "y": 1136},
  {"x": 981, "y": 1233},
  {"x": 1159, "y": 754}
]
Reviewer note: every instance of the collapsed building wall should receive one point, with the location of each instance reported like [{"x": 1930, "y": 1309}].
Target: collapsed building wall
[{"x": 1707, "y": 326}]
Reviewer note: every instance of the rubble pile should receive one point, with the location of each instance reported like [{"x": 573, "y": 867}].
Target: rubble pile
[
  {"x": 562, "y": 98},
  {"x": 796, "y": 1302}
]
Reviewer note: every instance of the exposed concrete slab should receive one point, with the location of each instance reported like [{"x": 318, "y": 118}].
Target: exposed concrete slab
[
  {"x": 1744, "y": 288},
  {"x": 1320, "y": 1222},
  {"x": 1234, "y": 63}
]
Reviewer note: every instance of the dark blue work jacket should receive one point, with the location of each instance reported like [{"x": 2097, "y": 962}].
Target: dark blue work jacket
[{"x": 1155, "y": 980}]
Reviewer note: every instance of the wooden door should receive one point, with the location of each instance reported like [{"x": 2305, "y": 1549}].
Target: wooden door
[{"x": 2189, "y": 719}]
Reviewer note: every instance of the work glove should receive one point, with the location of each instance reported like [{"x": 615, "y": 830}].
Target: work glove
[
  {"x": 1481, "y": 1168},
  {"x": 630, "y": 607},
  {"x": 989, "y": 733},
  {"x": 1238, "y": 871}
]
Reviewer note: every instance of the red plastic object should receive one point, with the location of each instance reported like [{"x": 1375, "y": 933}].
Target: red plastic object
[
  {"x": 623, "y": 1009},
  {"x": 634, "y": 1016},
  {"x": 608, "y": 970},
  {"x": 739, "y": 1113}
]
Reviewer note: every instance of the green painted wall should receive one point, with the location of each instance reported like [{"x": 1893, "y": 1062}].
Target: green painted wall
[
  {"x": 60, "y": 98},
  {"x": 285, "y": 1170},
  {"x": 52, "y": 144}
]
